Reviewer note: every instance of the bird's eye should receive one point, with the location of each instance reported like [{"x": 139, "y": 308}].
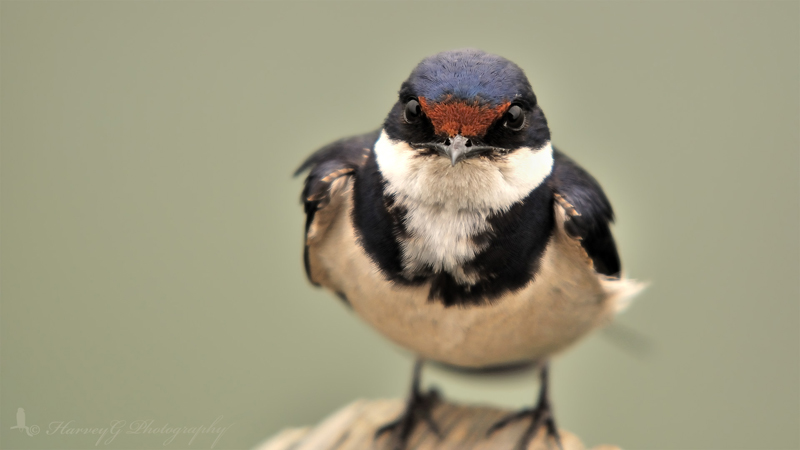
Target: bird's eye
[
  {"x": 412, "y": 111},
  {"x": 515, "y": 119}
]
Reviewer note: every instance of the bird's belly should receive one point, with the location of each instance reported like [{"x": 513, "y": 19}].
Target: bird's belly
[{"x": 565, "y": 301}]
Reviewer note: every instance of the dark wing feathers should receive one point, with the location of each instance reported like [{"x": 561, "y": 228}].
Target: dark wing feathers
[
  {"x": 336, "y": 159},
  {"x": 591, "y": 215}
]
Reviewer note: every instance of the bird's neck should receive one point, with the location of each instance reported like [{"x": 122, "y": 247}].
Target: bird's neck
[
  {"x": 421, "y": 218},
  {"x": 477, "y": 184}
]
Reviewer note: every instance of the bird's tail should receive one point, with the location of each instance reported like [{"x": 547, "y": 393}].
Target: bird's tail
[{"x": 622, "y": 291}]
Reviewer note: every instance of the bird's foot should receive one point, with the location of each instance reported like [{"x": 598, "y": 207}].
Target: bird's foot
[
  {"x": 541, "y": 416},
  {"x": 418, "y": 409}
]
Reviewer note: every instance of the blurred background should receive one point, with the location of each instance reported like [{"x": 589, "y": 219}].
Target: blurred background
[{"x": 152, "y": 233}]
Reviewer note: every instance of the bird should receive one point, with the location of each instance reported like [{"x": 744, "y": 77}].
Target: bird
[{"x": 458, "y": 231}]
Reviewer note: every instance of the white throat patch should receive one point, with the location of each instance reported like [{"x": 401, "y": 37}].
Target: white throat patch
[{"x": 448, "y": 205}]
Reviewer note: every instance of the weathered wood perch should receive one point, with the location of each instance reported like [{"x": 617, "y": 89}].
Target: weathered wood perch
[{"x": 463, "y": 428}]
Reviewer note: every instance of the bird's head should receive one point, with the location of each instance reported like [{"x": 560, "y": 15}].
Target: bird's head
[{"x": 464, "y": 104}]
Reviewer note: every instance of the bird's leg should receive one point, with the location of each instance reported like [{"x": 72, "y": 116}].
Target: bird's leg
[
  {"x": 541, "y": 415},
  {"x": 418, "y": 408}
]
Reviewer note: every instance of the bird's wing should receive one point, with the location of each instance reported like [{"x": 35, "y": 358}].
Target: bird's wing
[
  {"x": 338, "y": 159},
  {"x": 588, "y": 211}
]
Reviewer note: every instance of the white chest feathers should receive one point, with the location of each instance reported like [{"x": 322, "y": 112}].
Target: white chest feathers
[{"x": 448, "y": 206}]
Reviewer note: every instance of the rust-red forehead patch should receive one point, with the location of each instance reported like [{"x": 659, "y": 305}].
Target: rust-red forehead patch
[{"x": 452, "y": 117}]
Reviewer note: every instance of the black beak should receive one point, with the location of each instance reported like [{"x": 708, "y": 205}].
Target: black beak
[{"x": 457, "y": 148}]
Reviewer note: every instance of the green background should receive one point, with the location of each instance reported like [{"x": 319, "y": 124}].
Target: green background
[{"x": 151, "y": 232}]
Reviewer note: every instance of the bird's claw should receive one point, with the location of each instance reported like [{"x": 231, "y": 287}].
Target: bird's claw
[
  {"x": 418, "y": 408},
  {"x": 540, "y": 416}
]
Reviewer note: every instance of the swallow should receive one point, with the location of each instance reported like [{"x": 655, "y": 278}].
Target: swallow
[{"x": 460, "y": 233}]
